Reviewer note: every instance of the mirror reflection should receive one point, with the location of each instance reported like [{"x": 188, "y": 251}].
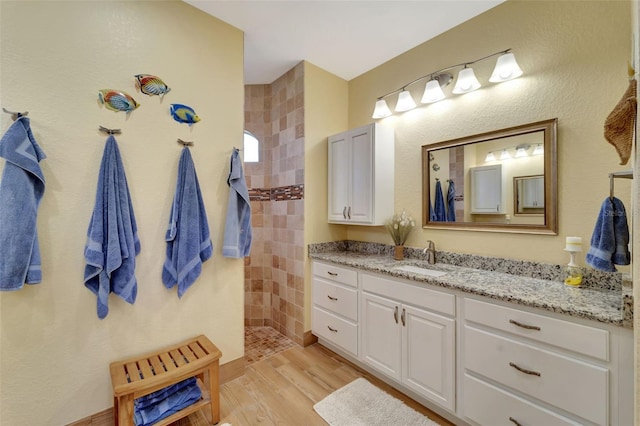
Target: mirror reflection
[{"x": 503, "y": 180}]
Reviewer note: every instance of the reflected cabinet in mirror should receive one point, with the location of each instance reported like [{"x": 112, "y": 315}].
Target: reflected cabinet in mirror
[{"x": 503, "y": 181}]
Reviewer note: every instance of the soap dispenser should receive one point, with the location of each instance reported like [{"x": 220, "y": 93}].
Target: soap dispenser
[{"x": 572, "y": 273}]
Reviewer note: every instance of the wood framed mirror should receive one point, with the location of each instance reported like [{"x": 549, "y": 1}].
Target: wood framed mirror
[{"x": 479, "y": 182}]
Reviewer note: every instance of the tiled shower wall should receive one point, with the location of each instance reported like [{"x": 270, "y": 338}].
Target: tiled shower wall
[{"x": 274, "y": 283}]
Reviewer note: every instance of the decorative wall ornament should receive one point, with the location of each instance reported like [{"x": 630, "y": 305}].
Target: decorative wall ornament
[
  {"x": 183, "y": 114},
  {"x": 116, "y": 100},
  {"x": 151, "y": 85}
]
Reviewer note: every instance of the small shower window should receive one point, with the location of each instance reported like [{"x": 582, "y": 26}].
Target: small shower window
[{"x": 251, "y": 148}]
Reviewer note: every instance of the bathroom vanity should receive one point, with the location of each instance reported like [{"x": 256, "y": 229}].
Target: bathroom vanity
[{"x": 479, "y": 346}]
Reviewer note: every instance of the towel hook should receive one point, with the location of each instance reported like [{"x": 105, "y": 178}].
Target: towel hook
[
  {"x": 15, "y": 115},
  {"x": 623, "y": 175},
  {"x": 185, "y": 143},
  {"x": 110, "y": 131}
]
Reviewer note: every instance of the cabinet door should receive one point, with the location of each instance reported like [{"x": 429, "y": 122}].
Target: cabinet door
[
  {"x": 361, "y": 207},
  {"x": 486, "y": 189},
  {"x": 533, "y": 193},
  {"x": 380, "y": 340},
  {"x": 428, "y": 351},
  {"x": 339, "y": 177}
]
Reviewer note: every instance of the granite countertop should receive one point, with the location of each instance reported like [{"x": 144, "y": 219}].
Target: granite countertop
[{"x": 610, "y": 304}]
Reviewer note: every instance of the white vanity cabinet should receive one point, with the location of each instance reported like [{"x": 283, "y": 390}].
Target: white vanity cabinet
[
  {"x": 524, "y": 368},
  {"x": 533, "y": 192},
  {"x": 334, "y": 316},
  {"x": 486, "y": 189},
  {"x": 408, "y": 334},
  {"x": 361, "y": 175}
]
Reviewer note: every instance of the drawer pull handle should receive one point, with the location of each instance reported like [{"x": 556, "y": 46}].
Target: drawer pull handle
[
  {"x": 332, "y": 298},
  {"x": 514, "y": 421},
  {"x": 349, "y": 212},
  {"x": 395, "y": 314},
  {"x": 333, "y": 274},
  {"x": 332, "y": 329},
  {"x": 403, "y": 316},
  {"x": 528, "y": 327},
  {"x": 524, "y": 370},
  {"x": 344, "y": 212}
]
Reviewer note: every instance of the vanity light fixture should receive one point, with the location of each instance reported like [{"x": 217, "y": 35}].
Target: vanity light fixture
[
  {"x": 539, "y": 150},
  {"x": 490, "y": 157},
  {"x": 506, "y": 69},
  {"x": 505, "y": 155}
]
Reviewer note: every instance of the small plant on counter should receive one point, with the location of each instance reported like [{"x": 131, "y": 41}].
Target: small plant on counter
[{"x": 399, "y": 227}]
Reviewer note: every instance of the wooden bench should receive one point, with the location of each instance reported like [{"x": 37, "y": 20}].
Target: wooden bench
[{"x": 139, "y": 376}]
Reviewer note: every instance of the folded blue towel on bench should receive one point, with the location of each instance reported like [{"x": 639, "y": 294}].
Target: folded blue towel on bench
[{"x": 159, "y": 405}]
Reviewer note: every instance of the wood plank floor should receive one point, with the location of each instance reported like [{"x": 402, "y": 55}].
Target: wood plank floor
[{"x": 282, "y": 389}]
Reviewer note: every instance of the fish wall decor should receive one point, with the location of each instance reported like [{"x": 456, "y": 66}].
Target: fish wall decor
[
  {"x": 151, "y": 85},
  {"x": 116, "y": 100},
  {"x": 184, "y": 114}
]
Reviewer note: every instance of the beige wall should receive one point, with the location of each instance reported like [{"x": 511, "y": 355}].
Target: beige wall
[
  {"x": 574, "y": 56},
  {"x": 325, "y": 106},
  {"x": 55, "y": 352}
]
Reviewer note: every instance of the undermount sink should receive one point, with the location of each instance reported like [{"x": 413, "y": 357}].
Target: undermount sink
[{"x": 420, "y": 271}]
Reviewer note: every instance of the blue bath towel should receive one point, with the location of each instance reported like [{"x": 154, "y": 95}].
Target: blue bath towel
[
  {"x": 188, "y": 240},
  {"x": 112, "y": 238},
  {"x": 237, "y": 229},
  {"x": 451, "y": 208},
  {"x": 159, "y": 395},
  {"x": 610, "y": 239},
  {"x": 439, "y": 209},
  {"x": 21, "y": 190},
  {"x": 172, "y": 403}
]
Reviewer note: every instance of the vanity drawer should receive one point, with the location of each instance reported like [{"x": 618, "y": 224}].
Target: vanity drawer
[
  {"x": 336, "y": 298},
  {"x": 486, "y": 404},
  {"x": 582, "y": 339},
  {"x": 335, "y": 273},
  {"x": 567, "y": 383},
  {"x": 335, "y": 330},
  {"x": 437, "y": 301}
]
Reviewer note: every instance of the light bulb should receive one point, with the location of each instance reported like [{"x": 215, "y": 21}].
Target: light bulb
[
  {"x": 381, "y": 110},
  {"x": 538, "y": 150},
  {"x": 490, "y": 157},
  {"x": 505, "y": 155},
  {"x": 521, "y": 152},
  {"x": 405, "y": 102},
  {"x": 432, "y": 92},
  {"x": 466, "y": 82},
  {"x": 506, "y": 69}
]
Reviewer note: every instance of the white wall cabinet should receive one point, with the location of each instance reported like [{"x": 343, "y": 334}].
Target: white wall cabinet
[
  {"x": 486, "y": 189},
  {"x": 533, "y": 193},
  {"x": 403, "y": 339},
  {"x": 361, "y": 176}
]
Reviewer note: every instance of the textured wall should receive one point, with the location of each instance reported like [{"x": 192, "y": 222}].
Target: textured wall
[
  {"x": 574, "y": 56},
  {"x": 54, "y": 351}
]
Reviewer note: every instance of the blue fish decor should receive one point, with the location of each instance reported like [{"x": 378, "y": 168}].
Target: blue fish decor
[
  {"x": 117, "y": 101},
  {"x": 184, "y": 114},
  {"x": 151, "y": 85}
]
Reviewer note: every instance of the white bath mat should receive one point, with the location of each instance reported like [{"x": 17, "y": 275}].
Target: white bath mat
[{"x": 362, "y": 404}]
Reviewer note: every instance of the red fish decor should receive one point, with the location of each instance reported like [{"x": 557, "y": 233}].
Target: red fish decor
[
  {"x": 116, "y": 100},
  {"x": 151, "y": 85}
]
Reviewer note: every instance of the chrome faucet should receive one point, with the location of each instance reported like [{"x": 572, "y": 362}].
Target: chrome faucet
[{"x": 430, "y": 251}]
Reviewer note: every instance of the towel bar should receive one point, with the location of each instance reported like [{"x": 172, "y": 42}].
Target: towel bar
[
  {"x": 139, "y": 376},
  {"x": 623, "y": 175}
]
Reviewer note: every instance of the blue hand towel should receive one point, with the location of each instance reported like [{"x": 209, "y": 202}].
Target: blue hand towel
[
  {"x": 159, "y": 395},
  {"x": 439, "y": 209},
  {"x": 237, "y": 229},
  {"x": 112, "y": 238},
  {"x": 188, "y": 240},
  {"x": 21, "y": 190},
  {"x": 162, "y": 409},
  {"x": 610, "y": 238},
  {"x": 432, "y": 215},
  {"x": 451, "y": 193}
]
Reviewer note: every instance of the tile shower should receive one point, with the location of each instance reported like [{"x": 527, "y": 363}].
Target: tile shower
[{"x": 274, "y": 274}]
